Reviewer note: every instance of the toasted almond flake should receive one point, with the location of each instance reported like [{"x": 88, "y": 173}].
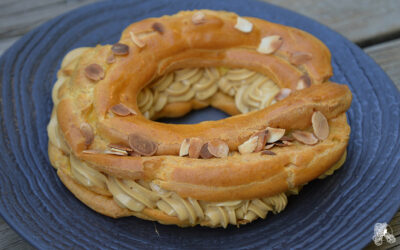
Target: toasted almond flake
[
  {"x": 136, "y": 40},
  {"x": 282, "y": 94},
  {"x": 248, "y": 146},
  {"x": 119, "y": 151},
  {"x": 122, "y": 110},
  {"x": 195, "y": 147},
  {"x": 269, "y": 146},
  {"x": 87, "y": 133},
  {"x": 270, "y": 44},
  {"x": 142, "y": 145},
  {"x": 262, "y": 140},
  {"x": 110, "y": 59},
  {"x": 204, "y": 153},
  {"x": 198, "y": 17},
  {"x": 120, "y": 49},
  {"x": 305, "y": 137},
  {"x": 275, "y": 134},
  {"x": 94, "y": 72},
  {"x": 267, "y": 152},
  {"x": 303, "y": 82},
  {"x": 218, "y": 148},
  {"x": 184, "y": 150},
  {"x": 320, "y": 125},
  {"x": 243, "y": 25},
  {"x": 119, "y": 146},
  {"x": 115, "y": 151},
  {"x": 92, "y": 151},
  {"x": 158, "y": 27},
  {"x": 298, "y": 58}
]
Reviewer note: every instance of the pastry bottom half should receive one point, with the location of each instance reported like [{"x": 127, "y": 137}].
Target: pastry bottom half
[{"x": 120, "y": 198}]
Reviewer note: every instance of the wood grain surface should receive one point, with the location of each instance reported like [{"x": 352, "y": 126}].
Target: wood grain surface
[
  {"x": 374, "y": 25},
  {"x": 362, "y": 21}
]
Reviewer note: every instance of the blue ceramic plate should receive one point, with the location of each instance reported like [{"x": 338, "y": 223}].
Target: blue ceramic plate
[{"x": 338, "y": 212}]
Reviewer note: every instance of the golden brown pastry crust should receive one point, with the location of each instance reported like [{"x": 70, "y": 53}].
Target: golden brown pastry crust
[
  {"x": 213, "y": 43},
  {"x": 181, "y": 45}
]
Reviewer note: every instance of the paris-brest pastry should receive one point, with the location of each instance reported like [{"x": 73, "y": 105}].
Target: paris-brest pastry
[{"x": 287, "y": 127}]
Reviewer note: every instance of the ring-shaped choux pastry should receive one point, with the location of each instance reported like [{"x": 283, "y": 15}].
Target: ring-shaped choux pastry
[{"x": 288, "y": 123}]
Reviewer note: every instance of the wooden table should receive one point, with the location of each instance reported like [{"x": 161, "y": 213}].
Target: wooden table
[{"x": 373, "y": 25}]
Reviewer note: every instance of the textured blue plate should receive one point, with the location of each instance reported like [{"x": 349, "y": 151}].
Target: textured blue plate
[{"x": 338, "y": 212}]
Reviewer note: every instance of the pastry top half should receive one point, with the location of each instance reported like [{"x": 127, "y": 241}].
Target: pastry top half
[{"x": 97, "y": 86}]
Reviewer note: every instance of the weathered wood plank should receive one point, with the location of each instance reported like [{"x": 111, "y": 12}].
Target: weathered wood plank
[
  {"x": 387, "y": 55},
  {"x": 18, "y": 17},
  {"x": 6, "y": 43},
  {"x": 10, "y": 240},
  {"x": 359, "y": 20}
]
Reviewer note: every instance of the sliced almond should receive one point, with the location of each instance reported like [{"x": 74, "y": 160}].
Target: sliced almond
[
  {"x": 158, "y": 27},
  {"x": 92, "y": 151},
  {"x": 184, "y": 150},
  {"x": 275, "y": 134},
  {"x": 270, "y": 44},
  {"x": 110, "y": 59},
  {"x": 114, "y": 151},
  {"x": 248, "y": 146},
  {"x": 262, "y": 140},
  {"x": 119, "y": 146},
  {"x": 320, "y": 125},
  {"x": 142, "y": 145},
  {"x": 282, "y": 94},
  {"x": 298, "y": 58},
  {"x": 204, "y": 153},
  {"x": 87, "y": 133},
  {"x": 122, "y": 110},
  {"x": 218, "y": 148},
  {"x": 243, "y": 25},
  {"x": 94, "y": 72},
  {"x": 198, "y": 17},
  {"x": 267, "y": 152},
  {"x": 136, "y": 40},
  {"x": 195, "y": 147},
  {"x": 120, "y": 49},
  {"x": 303, "y": 82},
  {"x": 305, "y": 137}
]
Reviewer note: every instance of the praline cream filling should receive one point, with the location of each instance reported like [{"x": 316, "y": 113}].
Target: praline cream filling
[
  {"x": 137, "y": 195},
  {"x": 250, "y": 90}
]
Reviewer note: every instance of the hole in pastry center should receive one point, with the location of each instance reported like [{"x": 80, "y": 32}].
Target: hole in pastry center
[
  {"x": 211, "y": 93},
  {"x": 197, "y": 116}
]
